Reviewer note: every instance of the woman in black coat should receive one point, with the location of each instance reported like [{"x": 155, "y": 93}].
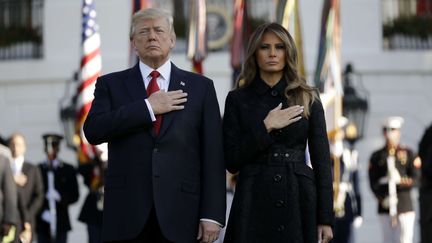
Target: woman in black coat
[{"x": 269, "y": 119}]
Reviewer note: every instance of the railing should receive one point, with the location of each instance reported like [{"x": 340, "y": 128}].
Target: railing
[
  {"x": 21, "y": 23},
  {"x": 407, "y": 24}
]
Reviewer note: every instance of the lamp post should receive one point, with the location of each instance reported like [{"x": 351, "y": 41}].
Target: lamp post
[
  {"x": 355, "y": 109},
  {"x": 68, "y": 115}
]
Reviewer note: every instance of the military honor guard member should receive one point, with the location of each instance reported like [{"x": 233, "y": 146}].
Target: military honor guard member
[
  {"x": 61, "y": 190},
  {"x": 391, "y": 176}
]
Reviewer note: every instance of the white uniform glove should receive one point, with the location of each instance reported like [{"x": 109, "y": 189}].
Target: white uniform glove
[
  {"x": 46, "y": 216},
  {"x": 54, "y": 194},
  {"x": 358, "y": 221}
]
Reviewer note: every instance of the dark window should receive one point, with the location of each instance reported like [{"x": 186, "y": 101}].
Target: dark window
[
  {"x": 21, "y": 23},
  {"x": 407, "y": 24}
]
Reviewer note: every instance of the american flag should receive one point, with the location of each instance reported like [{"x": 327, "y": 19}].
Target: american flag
[{"x": 90, "y": 70}]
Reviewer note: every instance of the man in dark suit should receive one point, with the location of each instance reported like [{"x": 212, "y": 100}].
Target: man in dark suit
[
  {"x": 61, "y": 190},
  {"x": 166, "y": 176},
  {"x": 30, "y": 188}
]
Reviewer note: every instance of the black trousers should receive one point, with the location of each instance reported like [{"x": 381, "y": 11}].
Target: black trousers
[{"x": 150, "y": 234}]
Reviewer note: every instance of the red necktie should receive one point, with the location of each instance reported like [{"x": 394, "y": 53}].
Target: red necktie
[{"x": 151, "y": 88}]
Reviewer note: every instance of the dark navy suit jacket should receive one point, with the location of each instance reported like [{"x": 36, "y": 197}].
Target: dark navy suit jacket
[{"x": 180, "y": 171}]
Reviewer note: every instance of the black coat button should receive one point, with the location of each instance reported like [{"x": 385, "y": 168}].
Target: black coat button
[
  {"x": 278, "y": 132},
  {"x": 277, "y": 178},
  {"x": 279, "y": 203},
  {"x": 275, "y": 155},
  {"x": 286, "y": 155},
  {"x": 155, "y": 150},
  {"x": 274, "y": 93},
  {"x": 281, "y": 228}
]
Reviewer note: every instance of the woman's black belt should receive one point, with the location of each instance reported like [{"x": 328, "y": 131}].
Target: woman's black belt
[{"x": 283, "y": 156}]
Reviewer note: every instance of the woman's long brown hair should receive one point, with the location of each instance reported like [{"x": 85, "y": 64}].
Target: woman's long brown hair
[{"x": 298, "y": 92}]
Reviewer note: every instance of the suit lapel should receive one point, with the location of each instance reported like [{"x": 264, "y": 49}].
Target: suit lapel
[
  {"x": 177, "y": 81},
  {"x": 135, "y": 84}
]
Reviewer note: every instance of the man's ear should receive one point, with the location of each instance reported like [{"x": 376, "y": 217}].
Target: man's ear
[
  {"x": 173, "y": 41},
  {"x": 133, "y": 44}
]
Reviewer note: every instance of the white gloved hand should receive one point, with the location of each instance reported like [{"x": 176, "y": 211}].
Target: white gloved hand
[
  {"x": 385, "y": 203},
  {"x": 46, "y": 216},
  {"x": 358, "y": 221},
  {"x": 395, "y": 176},
  {"x": 54, "y": 194}
]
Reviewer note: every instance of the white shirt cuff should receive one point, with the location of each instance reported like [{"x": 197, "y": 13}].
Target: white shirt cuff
[
  {"x": 212, "y": 221},
  {"x": 152, "y": 115}
]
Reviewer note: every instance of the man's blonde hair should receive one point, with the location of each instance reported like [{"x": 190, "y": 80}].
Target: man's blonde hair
[{"x": 151, "y": 13}]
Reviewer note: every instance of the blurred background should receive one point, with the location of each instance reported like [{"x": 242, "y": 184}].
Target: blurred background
[{"x": 381, "y": 49}]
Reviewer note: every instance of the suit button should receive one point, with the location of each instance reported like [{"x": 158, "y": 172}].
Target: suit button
[
  {"x": 275, "y": 155},
  {"x": 281, "y": 228},
  {"x": 279, "y": 203},
  {"x": 286, "y": 155},
  {"x": 277, "y": 178},
  {"x": 274, "y": 93},
  {"x": 155, "y": 150}
]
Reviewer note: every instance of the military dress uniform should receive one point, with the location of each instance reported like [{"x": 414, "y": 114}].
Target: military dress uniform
[
  {"x": 348, "y": 197},
  {"x": 61, "y": 190},
  {"x": 379, "y": 182}
]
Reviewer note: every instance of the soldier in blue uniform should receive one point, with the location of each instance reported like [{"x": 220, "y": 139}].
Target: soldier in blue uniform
[
  {"x": 391, "y": 177},
  {"x": 347, "y": 203}
]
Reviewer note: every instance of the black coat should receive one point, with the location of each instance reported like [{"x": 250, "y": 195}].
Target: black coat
[
  {"x": 179, "y": 172},
  {"x": 278, "y": 197},
  {"x": 378, "y": 169},
  {"x": 65, "y": 182}
]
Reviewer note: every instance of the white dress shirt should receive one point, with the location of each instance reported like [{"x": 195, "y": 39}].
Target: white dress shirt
[
  {"x": 162, "y": 80},
  {"x": 17, "y": 165}
]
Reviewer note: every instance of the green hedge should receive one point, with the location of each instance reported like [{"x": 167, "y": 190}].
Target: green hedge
[{"x": 415, "y": 26}]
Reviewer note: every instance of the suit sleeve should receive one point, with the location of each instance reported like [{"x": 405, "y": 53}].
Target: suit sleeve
[
  {"x": 10, "y": 204},
  {"x": 38, "y": 194},
  {"x": 213, "y": 192},
  {"x": 105, "y": 122},
  {"x": 242, "y": 145},
  {"x": 319, "y": 150}
]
